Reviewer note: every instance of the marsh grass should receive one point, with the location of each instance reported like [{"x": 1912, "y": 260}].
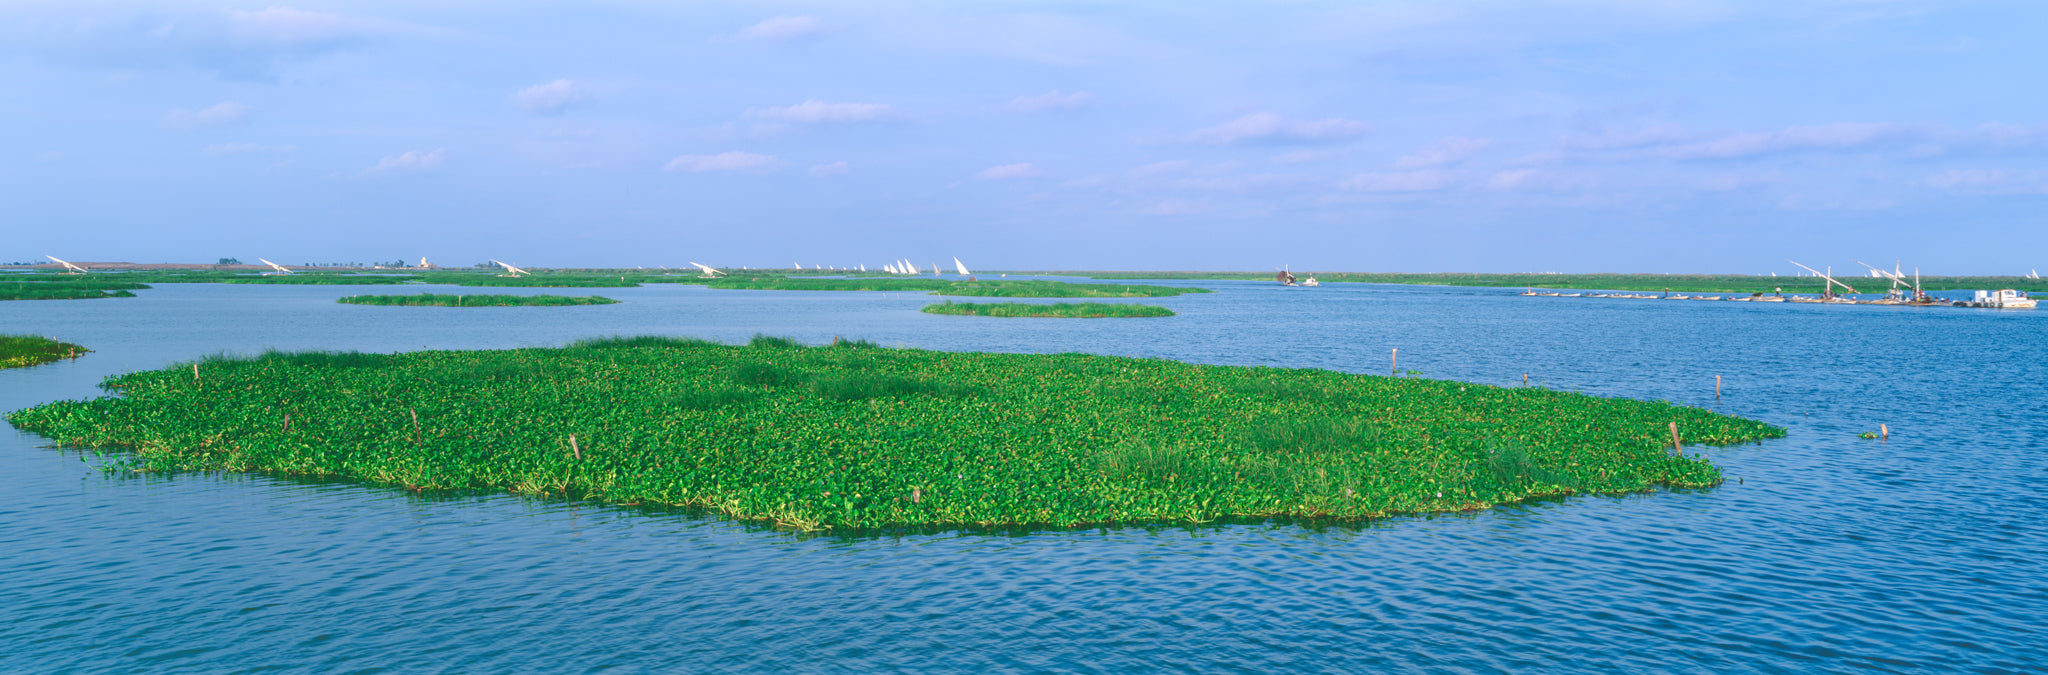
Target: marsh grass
[
  {"x": 22, "y": 351},
  {"x": 1061, "y": 310},
  {"x": 840, "y": 437},
  {"x": 487, "y": 300}
]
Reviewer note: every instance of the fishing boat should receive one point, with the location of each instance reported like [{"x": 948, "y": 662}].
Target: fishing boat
[
  {"x": 2004, "y": 298},
  {"x": 1285, "y": 277}
]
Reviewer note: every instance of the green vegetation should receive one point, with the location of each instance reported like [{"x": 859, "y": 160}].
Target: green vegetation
[
  {"x": 993, "y": 289},
  {"x": 432, "y": 300},
  {"x": 1066, "y": 310},
  {"x": 1689, "y": 283},
  {"x": 854, "y": 437},
  {"x": 49, "y": 287},
  {"x": 533, "y": 280},
  {"x": 22, "y": 351}
]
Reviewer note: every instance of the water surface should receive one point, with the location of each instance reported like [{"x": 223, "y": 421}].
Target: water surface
[{"x": 1823, "y": 552}]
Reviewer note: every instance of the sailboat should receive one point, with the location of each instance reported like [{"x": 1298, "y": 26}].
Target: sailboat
[
  {"x": 1285, "y": 277},
  {"x": 960, "y": 267}
]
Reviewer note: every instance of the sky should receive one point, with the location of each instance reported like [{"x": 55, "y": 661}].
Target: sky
[{"x": 1429, "y": 136}]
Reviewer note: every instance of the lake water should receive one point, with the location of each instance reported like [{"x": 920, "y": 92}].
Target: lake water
[{"x": 1822, "y": 552}]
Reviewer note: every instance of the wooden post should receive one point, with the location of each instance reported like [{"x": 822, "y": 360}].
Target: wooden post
[
  {"x": 1884, "y": 432},
  {"x": 287, "y": 421},
  {"x": 195, "y": 372},
  {"x": 916, "y": 496},
  {"x": 1525, "y": 379},
  {"x": 1394, "y": 360},
  {"x": 578, "y": 452},
  {"x": 1717, "y": 387},
  {"x": 1675, "y": 445},
  {"x": 415, "y": 426}
]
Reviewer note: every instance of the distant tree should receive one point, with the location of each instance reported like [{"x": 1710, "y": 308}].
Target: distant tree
[{"x": 230, "y": 261}]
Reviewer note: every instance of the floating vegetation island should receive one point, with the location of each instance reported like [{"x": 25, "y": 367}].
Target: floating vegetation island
[
  {"x": 22, "y": 351},
  {"x": 853, "y": 437},
  {"x": 1060, "y": 310},
  {"x": 434, "y": 300},
  {"x": 1687, "y": 283},
  {"x": 992, "y": 289}
]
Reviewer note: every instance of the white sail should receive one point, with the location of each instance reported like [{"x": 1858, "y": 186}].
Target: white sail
[
  {"x": 66, "y": 265},
  {"x": 510, "y": 270},
  {"x": 960, "y": 267},
  {"x": 280, "y": 268}
]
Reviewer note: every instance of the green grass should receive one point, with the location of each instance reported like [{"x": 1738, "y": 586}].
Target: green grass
[
  {"x": 1689, "y": 283},
  {"x": 994, "y": 289},
  {"x": 852, "y": 437},
  {"x": 433, "y": 300},
  {"x": 1066, "y": 310},
  {"x": 22, "y": 351},
  {"x": 56, "y": 289}
]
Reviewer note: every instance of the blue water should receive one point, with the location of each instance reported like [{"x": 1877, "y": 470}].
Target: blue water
[{"x": 1822, "y": 552}]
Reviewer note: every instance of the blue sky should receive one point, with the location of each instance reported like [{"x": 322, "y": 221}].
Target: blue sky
[{"x": 1579, "y": 136}]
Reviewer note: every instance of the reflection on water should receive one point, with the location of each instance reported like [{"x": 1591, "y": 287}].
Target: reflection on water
[{"x": 1923, "y": 552}]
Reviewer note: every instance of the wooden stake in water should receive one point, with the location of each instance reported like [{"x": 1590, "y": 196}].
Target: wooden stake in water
[
  {"x": 1717, "y": 387},
  {"x": 415, "y": 425},
  {"x": 578, "y": 452},
  {"x": 1395, "y": 361},
  {"x": 1525, "y": 379},
  {"x": 1884, "y": 432},
  {"x": 195, "y": 372},
  {"x": 1675, "y": 445}
]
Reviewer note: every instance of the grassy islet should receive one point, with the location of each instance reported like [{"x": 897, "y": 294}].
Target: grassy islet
[
  {"x": 442, "y": 300},
  {"x": 853, "y": 437},
  {"x": 1061, "y": 310},
  {"x": 1021, "y": 288},
  {"x": 22, "y": 351}
]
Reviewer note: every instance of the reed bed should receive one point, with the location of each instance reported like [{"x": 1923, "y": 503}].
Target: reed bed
[
  {"x": 22, "y": 351},
  {"x": 437, "y": 300},
  {"x": 853, "y": 437},
  {"x": 1060, "y": 310},
  {"x": 996, "y": 289}
]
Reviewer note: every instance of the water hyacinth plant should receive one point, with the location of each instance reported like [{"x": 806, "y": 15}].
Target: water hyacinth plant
[
  {"x": 853, "y": 437},
  {"x": 1064, "y": 310}
]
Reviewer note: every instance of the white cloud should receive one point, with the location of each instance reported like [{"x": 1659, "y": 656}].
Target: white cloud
[
  {"x": 1157, "y": 168},
  {"x": 1838, "y": 136},
  {"x": 224, "y": 112},
  {"x": 1269, "y": 127},
  {"x": 1621, "y": 140},
  {"x": 1988, "y": 181},
  {"x": 288, "y": 26},
  {"x": 1447, "y": 151},
  {"x": 410, "y": 160},
  {"x": 1052, "y": 100},
  {"x": 548, "y": 98},
  {"x": 817, "y": 112},
  {"x": 244, "y": 148},
  {"x": 833, "y": 169},
  {"x": 1398, "y": 181},
  {"x": 1305, "y": 156},
  {"x": 1174, "y": 207},
  {"x": 1008, "y": 171},
  {"x": 783, "y": 28},
  {"x": 724, "y": 161}
]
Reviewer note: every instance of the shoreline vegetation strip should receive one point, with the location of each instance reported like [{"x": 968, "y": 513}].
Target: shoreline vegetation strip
[
  {"x": 1059, "y": 310},
  {"x": 489, "y": 300},
  {"x": 994, "y": 289},
  {"x": 22, "y": 351},
  {"x": 853, "y": 437},
  {"x": 1689, "y": 283}
]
